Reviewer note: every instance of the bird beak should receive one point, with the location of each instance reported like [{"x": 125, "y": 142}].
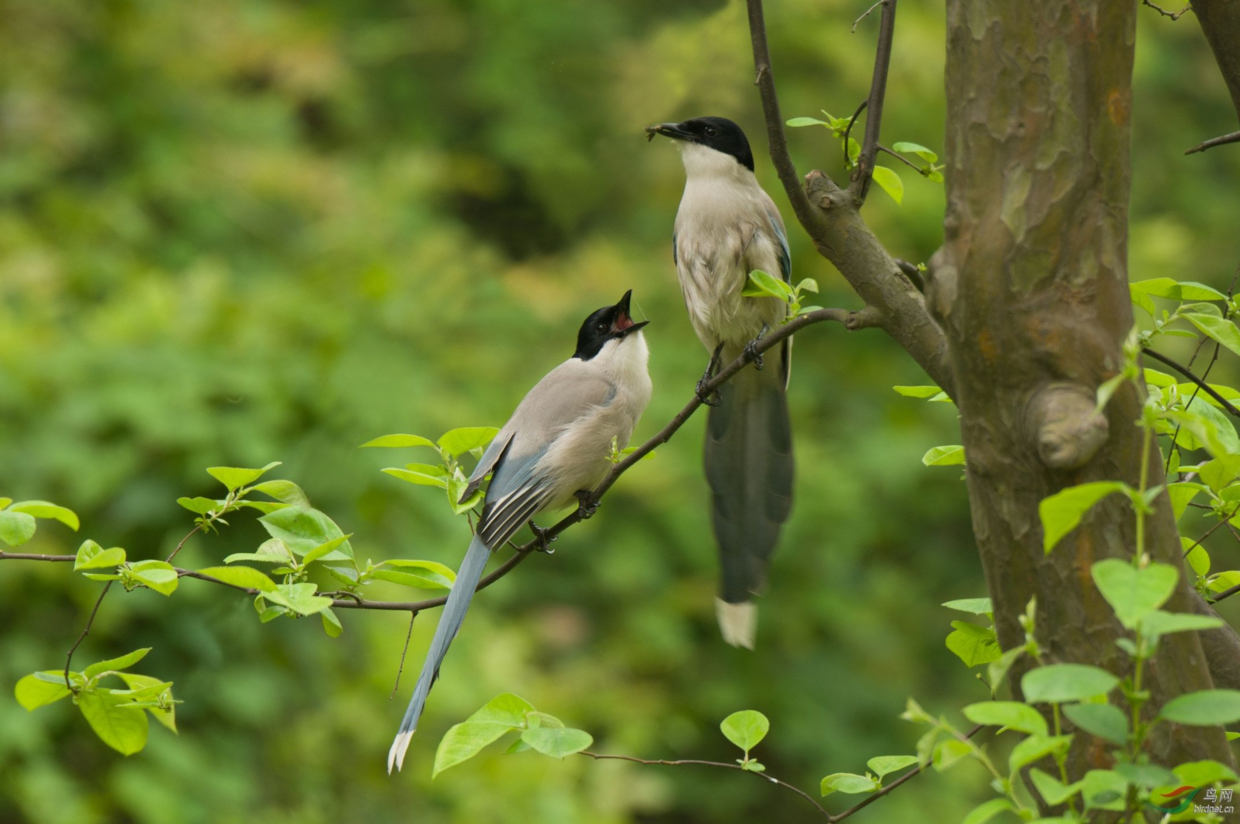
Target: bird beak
[
  {"x": 623, "y": 325},
  {"x": 671, "y": 130}
]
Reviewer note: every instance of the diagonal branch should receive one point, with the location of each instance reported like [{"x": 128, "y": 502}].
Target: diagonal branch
[
  {"x": 1188, "y": 373},
  {"x": 1234, "y": 137},
  {"x": 874, "y": 103}
]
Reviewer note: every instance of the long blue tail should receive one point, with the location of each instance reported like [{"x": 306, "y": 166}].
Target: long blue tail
[{"x": 453, "y": 614}]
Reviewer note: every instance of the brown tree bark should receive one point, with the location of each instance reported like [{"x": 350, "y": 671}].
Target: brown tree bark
[
  {"x": 1220, "y": 20},
  {"x": 1031, "y": 290}
]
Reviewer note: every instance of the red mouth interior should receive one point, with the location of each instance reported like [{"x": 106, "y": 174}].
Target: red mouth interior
[{"x": 623, "y": 322}]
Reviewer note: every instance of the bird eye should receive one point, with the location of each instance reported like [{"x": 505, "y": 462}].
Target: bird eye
[
  {"x": 600, "y": 328},
  {"x": 711, "y": 131}
]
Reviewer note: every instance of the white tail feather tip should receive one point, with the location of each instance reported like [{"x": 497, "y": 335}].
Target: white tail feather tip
[
  {"x": 396, "y": 755},
  {"x": 737, "y": 622}
]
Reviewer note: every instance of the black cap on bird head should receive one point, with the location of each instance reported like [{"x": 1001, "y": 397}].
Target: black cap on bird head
[
  {"x": 716, "y": 133},
  {"x": 606, "y": 324}
]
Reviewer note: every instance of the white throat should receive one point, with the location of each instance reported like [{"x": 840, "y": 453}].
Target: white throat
[
  {"x": 704, "y": 163},
  {"x": 625, "y": 359}
]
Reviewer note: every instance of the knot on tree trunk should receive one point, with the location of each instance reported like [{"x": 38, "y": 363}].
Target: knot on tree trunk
[
  {"x": 1063, "y": 422},
  {"x": 824, "y": 194}
]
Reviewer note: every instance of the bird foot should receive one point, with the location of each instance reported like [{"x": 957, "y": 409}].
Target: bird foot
[
  {"x": 542, "y": 541},
  {"x": 706, "y": 397},
  {"x": 751, "y": 349},
  {"x": 586, "y": 504},
  {"x": 709, "y": 398}
]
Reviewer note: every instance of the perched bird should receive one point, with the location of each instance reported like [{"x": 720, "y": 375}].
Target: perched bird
[
  {"x": 726, "y": 227},
  {"x": 554, "y": 448}
]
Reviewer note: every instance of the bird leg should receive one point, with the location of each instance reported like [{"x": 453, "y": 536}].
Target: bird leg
[
  {"x": 586, "y": 505},
  {"x": 542, "y": 541},
  {"x": 712, "y": 399},
  {"x": 751, "y": 349}
]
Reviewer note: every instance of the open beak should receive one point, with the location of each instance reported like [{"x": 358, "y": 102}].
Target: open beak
[
  {"x": 623, "y": 324},
  {"x": 671, "y": 130}
]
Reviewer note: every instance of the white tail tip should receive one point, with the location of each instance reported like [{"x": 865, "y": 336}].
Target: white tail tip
[
  {"x": 396, "y": 755},
  {"x": 737, "y": 622}
]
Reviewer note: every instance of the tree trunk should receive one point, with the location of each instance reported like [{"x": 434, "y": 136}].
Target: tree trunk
[{"x": 1031, "y": 290}]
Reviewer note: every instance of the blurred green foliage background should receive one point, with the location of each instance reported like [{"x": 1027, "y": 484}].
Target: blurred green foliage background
[{"x": 252, "y": 230}]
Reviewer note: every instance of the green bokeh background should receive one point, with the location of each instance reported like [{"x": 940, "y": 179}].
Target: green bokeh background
[{"x": 245, "y": 230}]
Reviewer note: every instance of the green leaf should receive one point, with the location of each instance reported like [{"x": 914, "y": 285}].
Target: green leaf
[
  {"x": 988, "y": 810},
  {"x": 905, "y": 147},
  {"x": 1052, "y": 790},
  {"x": 997, "y": 670},
  {"x": 33, "y": 692},
  {"x": 973, "y": 644},
  {"x": 917, "y": 391},
  {"x": 1145, "y": 775},
  {"x": 1224, "y": 580},
  {"x": 1061, "y": 512},
  {"x": 459, "y": 441},
  {"x": 1057, "y": 683},
  {"x": 331, "y": 624},
  {"x": 890, "y": 182},
  {"x": 92, "y": 556},
  {"x": 1175, "y": 290},
  {"x": 1203, "y": 773},
  {"x": 234, "y": 478},
  {"x": 124, "y": 662},
  {"x": 16, "y": 528},
  {"x": 419, "y": 474},
  {"x": 165, "y": 716},
  {"x": 156, "y": 575},
  {"x": 430, "y": 575},
  {"x": 1159, "y": 623},
  {"x": 847, "y": 783},
  {"x": 465, "y": 740},
  {"x": 746, "y": 728},
  {"x": 1104, "y": 789},
  {"x": 1035, "y": 747},
  {"x": 762, "y": 284},
  {"x": 1205, "y": 708},
  {"x": 400, "y": 441},
  {"x": 1011, "y": 714},
  {"x": 121, "y": 729},
  {"x": 1103, "y": 720},
  {"x": 283, "y": 491},
  {"x": 4, "y": 502},
  {"x": 949, "y": 752},
  {"x": 1217, "y": 329},
  {"x": 240, "y": 576},
  {"x": 882, "y": 765},
  {"x": 798, "y": 122},
  {"x": 1181, "y": 495},
  {"x": 300, "y": 598},
  {"x": 42, "y": 509},
  {"x": 324, "y": 549},
  {"x": 1133, "y": 592},
  {"x": 1217, "y": 473},
  {"x": 557, "y": 742},
  {"x": 199, "y": 505},
  {"x": 503, "y": 709},
  {"x": 944, "y": 456},
  {"x": 303, "y": 529},
  {"x": 977, "y": 606}
]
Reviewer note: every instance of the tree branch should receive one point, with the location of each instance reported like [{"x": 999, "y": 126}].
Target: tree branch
[
  {"x": 861, "y": 175},
  {"x": 829, "y": 216},
  {"x": 1174, "y": 15},
  {"x": 687, "y": 762},
  {"x": 1234, "y": 137},
  {"x": 1205, "y": 387}
]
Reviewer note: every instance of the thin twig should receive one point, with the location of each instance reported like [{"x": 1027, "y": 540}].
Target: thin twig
[
  {"x": 400, "y": 669},
  {"x": 865, "y": 14},
  {"x": 874, "y": 104},
  {"x": 852, "y": 121},
  {"x": 765, "y": 81},
  {"x": 29, "y": 556},
  {"x": 1234, "y": 137},
  {"x": 1175, "y": 436},
  {"x": 1173, "y": 15},
  {"x": 85, "y": 631},
  {"x": 1186, "y": 372},
  {"x": 192, "y": 533},
  {"x": 907, "y": 776},
  {"x": 901, "y": 158},
  {"x": 688, "y": 762},
  {"x": 1235, "y": 510}
]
